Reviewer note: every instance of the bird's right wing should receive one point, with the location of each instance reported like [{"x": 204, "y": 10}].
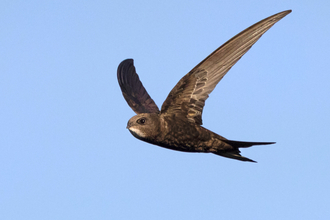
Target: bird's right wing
[
  {"x": 188, "y": 97},
  {"x": 133, "y": 91}
]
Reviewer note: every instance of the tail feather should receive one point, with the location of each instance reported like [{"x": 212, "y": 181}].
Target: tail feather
[
  {"x": 234, "y": 153},
  {"x": 239, "y": 144}
]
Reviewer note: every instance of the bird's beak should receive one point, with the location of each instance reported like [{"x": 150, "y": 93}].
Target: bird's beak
[{"x": 128, "y": 125}]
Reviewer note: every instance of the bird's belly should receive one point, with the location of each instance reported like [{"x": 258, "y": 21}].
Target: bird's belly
[
  {"x": 181, "y": 135},
  {"x": 183, "y": 144}
]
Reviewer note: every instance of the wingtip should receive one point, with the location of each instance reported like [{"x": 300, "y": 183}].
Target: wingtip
[
  {"x": 284, "y": 12},
  {"x": 126, "y": 61},
  {"x": 280, "y": 15},
  {"x": 288, "y": 11},
  {"x": 123, "y": 67}
]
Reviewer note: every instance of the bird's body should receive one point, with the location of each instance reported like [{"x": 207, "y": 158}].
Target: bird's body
[
  {"x": 176, "y": 133},
  {"x": 177, "y": 126}
]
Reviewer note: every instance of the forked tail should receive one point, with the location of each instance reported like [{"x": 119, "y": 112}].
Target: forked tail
[{"x": 235, "y": 152}]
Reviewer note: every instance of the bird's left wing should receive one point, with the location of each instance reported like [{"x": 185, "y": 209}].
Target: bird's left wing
[
  {"x": 188, "y": 97},
  {"x": 133, "y": 91}
]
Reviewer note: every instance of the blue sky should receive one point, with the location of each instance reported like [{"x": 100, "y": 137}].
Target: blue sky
[{"x": 65, "y": 149}]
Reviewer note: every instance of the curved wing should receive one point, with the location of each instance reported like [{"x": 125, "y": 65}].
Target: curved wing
[
  {"x": 188, "y": 96},
  {"x": 133, "y": 91}
]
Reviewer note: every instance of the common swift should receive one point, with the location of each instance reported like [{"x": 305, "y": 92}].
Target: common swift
[{"x": 177, "y": 125}]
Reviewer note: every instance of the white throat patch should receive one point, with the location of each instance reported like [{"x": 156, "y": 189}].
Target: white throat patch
[{"x": 137, "y": 131}]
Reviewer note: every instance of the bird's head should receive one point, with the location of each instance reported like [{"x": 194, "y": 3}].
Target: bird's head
[{"x": 144, "y": 126}]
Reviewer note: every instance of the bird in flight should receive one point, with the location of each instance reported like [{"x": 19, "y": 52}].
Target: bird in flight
[{"x": 177, "y": 125}]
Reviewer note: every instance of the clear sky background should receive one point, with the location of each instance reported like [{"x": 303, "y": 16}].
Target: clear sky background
[{"x": 65, "y": 149}]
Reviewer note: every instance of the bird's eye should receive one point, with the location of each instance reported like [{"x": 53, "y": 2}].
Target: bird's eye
[{"x": 141, "y": 121}]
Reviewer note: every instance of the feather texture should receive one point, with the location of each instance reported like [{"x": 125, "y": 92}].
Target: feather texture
[
  {"x": 133, "y": 91},
  {"x": 190, "y": 93}
]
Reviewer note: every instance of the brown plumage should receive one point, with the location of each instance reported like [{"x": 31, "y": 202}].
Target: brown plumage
[{"x": 178, "y": 125}]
